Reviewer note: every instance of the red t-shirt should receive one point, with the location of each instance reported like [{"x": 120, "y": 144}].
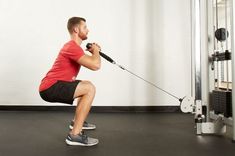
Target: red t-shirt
[{"x": 65, "y": 67}]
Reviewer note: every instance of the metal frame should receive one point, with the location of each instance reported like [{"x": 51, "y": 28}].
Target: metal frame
[
  {"x": 201, "y": 75},
  {"x": 233, "y": 62}
]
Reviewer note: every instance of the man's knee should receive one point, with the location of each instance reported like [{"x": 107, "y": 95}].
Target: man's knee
[
  {"x": 85, "y": 87},
  {"x": 91, "y": 87}
]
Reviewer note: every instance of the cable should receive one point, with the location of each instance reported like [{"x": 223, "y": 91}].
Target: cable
[
  {"x": 148, "y": 81},
  {"x": 109, "y": 59}
]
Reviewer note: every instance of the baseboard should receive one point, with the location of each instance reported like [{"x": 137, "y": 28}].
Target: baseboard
[
  {"x": 95, "y": 109},
  {"x": 135, "y": 109}
]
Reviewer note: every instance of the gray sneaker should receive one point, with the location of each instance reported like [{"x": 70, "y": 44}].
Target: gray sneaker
[
  {"x": 81, "y": 140},
  {"x": 86, "y": 125}
]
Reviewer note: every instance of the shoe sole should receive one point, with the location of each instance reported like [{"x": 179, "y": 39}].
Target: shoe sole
[
  {"x": 85, "y": 128},
  {"x": 68, "y": 142}
]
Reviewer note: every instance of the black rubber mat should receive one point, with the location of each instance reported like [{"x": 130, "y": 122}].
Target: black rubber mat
[{"x": 39, "y": 133}]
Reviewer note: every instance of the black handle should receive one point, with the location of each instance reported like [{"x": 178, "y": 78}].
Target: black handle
[{"x": 88, "y": 46}]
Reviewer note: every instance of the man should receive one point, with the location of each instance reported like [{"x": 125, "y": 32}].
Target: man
[{"x": 59, "y": 84}]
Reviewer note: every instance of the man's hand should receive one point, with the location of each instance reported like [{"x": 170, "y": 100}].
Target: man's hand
[
  {"x": 92, "y": 62},
  {"x": 95, "y": 48}
]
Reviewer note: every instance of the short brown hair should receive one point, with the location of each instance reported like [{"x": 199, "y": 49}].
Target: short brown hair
[{"x": 74, "y": 21}]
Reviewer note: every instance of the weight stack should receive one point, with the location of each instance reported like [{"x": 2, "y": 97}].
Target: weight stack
[{"x": 222, "y": 102}]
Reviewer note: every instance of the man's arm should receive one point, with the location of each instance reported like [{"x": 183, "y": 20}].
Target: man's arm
[{"x": 92, "y": 62}]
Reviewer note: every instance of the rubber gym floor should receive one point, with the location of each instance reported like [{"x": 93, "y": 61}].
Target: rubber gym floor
[{"x": 43, "y": 133}]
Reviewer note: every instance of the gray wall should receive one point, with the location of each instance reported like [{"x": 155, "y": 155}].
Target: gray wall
[{"x": 149, "y": 37}]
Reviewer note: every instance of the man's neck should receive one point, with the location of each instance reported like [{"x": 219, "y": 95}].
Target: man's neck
[{"x": 76, "y": 39}]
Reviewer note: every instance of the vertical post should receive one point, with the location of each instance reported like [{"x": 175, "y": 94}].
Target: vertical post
[
  {"x": 233, "y": 62},
  {"x": 205, "y": 46},
  {"x": 226, "y": 41},
  {"x": 197, "y": 48},
  {"x": 211, "y": 10},
  {"x": 196, "y": 61}
]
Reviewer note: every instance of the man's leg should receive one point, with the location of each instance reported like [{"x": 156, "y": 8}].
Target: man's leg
[{"x": 86, "y": 91}]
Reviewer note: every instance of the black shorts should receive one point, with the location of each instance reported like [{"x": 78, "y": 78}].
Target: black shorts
[{"x": 61, "y": 91}]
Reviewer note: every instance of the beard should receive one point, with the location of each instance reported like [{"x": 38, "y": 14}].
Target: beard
[{"x": 82, "y": 36}]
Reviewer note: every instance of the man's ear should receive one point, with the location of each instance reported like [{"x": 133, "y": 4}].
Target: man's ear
[{"x": 76, "y": 29}]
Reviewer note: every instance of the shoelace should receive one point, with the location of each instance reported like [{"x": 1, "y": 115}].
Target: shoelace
[{"x": 84, "y": 136}]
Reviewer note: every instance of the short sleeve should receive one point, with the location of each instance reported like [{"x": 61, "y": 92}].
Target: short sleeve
[{"x": 73, "y": 52}]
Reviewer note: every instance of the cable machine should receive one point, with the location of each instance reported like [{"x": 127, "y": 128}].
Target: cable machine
[{"x": 213, "y": 67}]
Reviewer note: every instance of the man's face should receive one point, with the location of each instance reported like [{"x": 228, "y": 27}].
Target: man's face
[{"x": 83, "y": 30}]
